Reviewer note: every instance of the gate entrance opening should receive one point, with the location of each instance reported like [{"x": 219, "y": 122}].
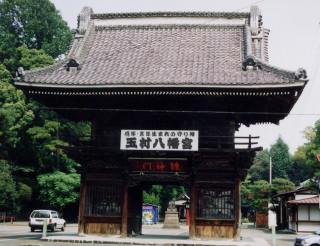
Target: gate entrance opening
[{"x": 146, "y": 219}]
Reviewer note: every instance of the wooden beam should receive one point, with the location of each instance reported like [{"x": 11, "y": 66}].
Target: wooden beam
[
  {"x": 124, "y": 211},
  {"x": 193, "y": 209},
  {"x": 237, "y": 209},
  {"x": 82, "y": 204}
]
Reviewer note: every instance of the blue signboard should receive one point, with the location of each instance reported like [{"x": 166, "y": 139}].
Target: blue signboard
[{"x": 149, "y": 213}]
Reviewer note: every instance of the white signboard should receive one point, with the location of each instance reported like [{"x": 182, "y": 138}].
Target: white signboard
[{"x": 159, "y": 140}]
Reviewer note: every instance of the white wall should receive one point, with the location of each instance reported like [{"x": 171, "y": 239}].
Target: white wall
[{"x": 308, "y": 226}]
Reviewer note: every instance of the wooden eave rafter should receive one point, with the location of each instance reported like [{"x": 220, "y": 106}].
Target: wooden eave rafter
[
  {"x": 249, "y": 90},
  {"x": 50, "y": 88}
]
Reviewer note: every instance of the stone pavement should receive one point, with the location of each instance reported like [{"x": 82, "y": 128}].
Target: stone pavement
[{"x": 158, "y": 236}]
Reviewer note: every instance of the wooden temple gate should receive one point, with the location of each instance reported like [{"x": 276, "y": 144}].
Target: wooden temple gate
[
  {"x": 165, "y": 94},
  {"x": 112, "y": 185}
]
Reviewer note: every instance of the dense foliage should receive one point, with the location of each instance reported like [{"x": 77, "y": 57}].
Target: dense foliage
[
  {"x": 256, "y": 195},
  {"x": 58, "y": 188},
  {"x": 8, "y": 190},
  {"x": 34, "y": 172},
  {"x": 37, "y": 24},
  {"x": 288, "y": 171},
  {"x": 161, "y": 195},
  {"x": 312, "y": 150},
  {"x": 281, "y": 159}
]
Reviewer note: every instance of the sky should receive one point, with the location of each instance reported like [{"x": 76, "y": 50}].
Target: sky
[{"x": 294, "y": 42}]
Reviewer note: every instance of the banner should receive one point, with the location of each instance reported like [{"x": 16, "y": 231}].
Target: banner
[{"x": 166, "y": 140}]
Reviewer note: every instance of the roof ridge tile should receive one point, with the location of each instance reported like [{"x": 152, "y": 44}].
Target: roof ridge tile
[{"x": 170, "y": 14}]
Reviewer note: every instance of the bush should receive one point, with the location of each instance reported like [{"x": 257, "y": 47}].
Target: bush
[{"x": 244, "y": 220}]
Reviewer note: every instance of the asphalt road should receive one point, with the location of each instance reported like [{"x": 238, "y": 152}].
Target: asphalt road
[
  {"x": 283, "y": 238},
  {"x": 19, "y": 234}
]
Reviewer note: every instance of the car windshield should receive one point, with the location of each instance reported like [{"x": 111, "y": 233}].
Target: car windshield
[{"x": 40, "y": 214}]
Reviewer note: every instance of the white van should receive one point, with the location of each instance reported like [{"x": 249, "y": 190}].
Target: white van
[{"x": 54, "y": 220}]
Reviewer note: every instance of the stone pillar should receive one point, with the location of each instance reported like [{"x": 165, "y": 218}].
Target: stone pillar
[{"x": 171, "y": 220}]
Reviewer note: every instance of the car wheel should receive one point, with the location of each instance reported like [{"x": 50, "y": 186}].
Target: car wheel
[
  {"x": 53, "y": 228},
  {"x": 63, "y": 227},
  {"x": 32, "y": 229}
]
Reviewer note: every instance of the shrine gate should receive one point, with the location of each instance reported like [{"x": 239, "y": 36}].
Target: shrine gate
[{"x": 165, "y": 93}]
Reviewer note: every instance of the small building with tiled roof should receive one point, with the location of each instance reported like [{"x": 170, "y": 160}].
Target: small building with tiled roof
[
  {"x": 299, "y": 210},
  {"x": 304, "y": 214},
  {"x": 310, "y": 200},
  {"x": 165, "y": 93}
]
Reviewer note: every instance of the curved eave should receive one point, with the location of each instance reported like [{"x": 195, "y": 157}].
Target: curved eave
[{"x": 26, "y": 85}]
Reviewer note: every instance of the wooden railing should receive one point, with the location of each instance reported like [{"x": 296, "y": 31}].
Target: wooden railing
[{"x": 228, "y": 141}]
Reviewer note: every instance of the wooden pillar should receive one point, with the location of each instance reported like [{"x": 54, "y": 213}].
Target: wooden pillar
[
  {"x": 124, "y": 210},
  {"x": 193, "y": 209},
  {"x": 135, "y": 210},
  {"x": 82, "y": 204},
  {"x": 237, "y": 208},
  {"x": 139, "y": 210}
]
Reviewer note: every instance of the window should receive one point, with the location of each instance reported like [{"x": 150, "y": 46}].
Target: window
[
  {"x": 103, "y": 200},
  {"x": 308, "y": 212},
  {"x": 40, "y": 214},
  {"x": 303, "y": 212},
  {"x": 54, "y": 215},
  {"x": 215, "y": 203},
  {"x": 314, "y": 213}
]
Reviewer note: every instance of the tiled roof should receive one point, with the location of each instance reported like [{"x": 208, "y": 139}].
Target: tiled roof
[
  {"x": 199, "y": 53},
  {"x": 310, "y": 200}
]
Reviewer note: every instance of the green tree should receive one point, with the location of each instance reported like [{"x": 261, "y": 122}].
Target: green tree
[
  {"x": 45, "y": 141},
  {"x": 260, "y": 170},
  {"x": 247, "y": 206},
  {"x": 34, "y": 23},
  {"x": 260, "y": 190},
  {"x": 59, "y": 189},
  {"x": 8, "y": 190},
  {"x": 281, "y": 159},
  {"x": 302, "y": 171},
  {"x": 25, "y": 195},
  {"x": 29, "y": 59},
  {"x": 279, "y": 186},
  {"x": 15, "y": 113},
  {"x": 151, "y": 198},
  {"x": 163, "y": 193},
  {"x": 256, "y": 195},
  {"x": 312, "y": 150}
]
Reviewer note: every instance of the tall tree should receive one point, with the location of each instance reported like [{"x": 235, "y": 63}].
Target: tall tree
[
  {"x": 15, "y": 113},
  {"x": 260, "y": 190},
  {"x": 8, "y": 190},
  {"x": 312, "y": 150},
  {"x": 34, "y": 23},
  {"x": 281, "y": 159},
  {"x": 302, "y": 171},
  {"x": 261, "y": 166}
]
